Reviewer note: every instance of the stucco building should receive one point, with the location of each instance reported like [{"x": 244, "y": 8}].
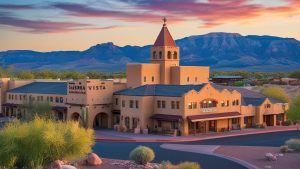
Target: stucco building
[{"x": 158, "y": 97}]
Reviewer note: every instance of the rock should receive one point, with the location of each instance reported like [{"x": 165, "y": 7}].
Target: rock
[
  {"x": 270, "y": 157},
  {"x": 55, "y": 165},
  {"x": 93, "y": 159},
  {"x": 67, "y": 167}
]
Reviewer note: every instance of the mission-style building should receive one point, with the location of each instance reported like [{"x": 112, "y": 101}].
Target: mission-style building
[{"x": 159, "y": 97}]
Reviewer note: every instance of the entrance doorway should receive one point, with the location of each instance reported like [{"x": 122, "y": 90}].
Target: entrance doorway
[
  {"x": 101, "y": 121},
  {"x": 75, "y": 116},
  {"x": 212, "y": 125}
]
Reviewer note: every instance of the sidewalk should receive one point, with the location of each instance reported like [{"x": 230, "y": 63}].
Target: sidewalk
[{"x": 111, "y": 135}]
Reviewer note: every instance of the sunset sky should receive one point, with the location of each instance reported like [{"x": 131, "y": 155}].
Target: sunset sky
[{"x": 78, "y": 24}]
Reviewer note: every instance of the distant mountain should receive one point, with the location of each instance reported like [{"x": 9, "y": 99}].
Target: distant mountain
[{"x": 220, "y": 51}]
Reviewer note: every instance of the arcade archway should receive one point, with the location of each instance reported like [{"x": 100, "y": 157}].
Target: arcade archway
[{"x": 101, "y": 121}]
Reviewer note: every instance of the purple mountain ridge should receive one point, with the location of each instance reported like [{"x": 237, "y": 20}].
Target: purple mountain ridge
[{"x": 220, "y": 51}]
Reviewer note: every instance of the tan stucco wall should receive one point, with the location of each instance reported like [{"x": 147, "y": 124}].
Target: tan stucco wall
[
  {"x": 137, "y": 72},
  {"x": 189, "y": 74}
]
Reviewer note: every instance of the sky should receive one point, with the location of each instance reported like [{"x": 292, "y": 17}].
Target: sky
[{"x": 52, "y": 25}]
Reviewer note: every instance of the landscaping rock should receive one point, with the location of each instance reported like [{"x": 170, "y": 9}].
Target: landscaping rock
[
  {"x": 270, "y": 157},
  {"x": 67, "y": 167},
  {"x": 55, "y": 165},
  {"x": 93, "y": 159}
]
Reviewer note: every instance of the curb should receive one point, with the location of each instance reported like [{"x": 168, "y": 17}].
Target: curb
[{"x": 191, "y": 139}]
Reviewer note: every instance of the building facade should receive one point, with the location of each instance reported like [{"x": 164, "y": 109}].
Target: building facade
[{"x": 159, "y": 97}]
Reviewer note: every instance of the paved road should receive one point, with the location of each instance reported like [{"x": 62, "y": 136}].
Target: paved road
[{"x": 121, "y": 150}]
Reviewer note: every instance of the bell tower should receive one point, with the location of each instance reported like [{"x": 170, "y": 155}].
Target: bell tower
[{"x": 166, "y": 53}]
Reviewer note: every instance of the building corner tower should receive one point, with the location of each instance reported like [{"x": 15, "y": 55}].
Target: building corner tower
[{"x": 166, "y": 53}]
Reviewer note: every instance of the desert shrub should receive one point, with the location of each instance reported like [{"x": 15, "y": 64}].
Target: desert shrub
[
  {"x": 142, "y": 155},
  {"x": 188, "y": 165},
  {"x": 40, "y": 141},
  {"x": 284, "y": 149},
  {"x": 293, "y": 144},
  {"x": 183, "y": 165}
]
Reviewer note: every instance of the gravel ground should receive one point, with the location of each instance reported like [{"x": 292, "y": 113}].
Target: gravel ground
[{"x": 117, "y": 164}]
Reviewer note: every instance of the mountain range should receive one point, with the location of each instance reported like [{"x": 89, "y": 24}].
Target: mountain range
[{"x": 220, "y": 51}]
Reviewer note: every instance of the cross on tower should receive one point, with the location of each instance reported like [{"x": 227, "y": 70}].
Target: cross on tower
[{"x": 165, "y": 21}]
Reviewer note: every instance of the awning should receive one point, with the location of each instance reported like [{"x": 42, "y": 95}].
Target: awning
[
  {"x": 59, "y": 108},
  {"x": 214, "y": 116},
  {"x": 166, "y": 117},
  {"x": 116, "y": 112}
]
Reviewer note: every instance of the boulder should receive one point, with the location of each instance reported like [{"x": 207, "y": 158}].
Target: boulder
[
  {"x": 67, "y": 167},
  {"x": 93, "y": 159},
  {"x": 55, "y": 165},
  {"x": 270, "y": 157}
]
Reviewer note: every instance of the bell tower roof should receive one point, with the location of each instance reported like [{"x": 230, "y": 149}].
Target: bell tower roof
[{"x": 164, "y": 37}]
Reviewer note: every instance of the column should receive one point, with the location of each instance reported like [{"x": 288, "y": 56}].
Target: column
[{"x": 274, "y": 120}]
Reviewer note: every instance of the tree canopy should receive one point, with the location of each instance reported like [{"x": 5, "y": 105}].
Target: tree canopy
[
  {"x": 293, "y": 112},
  {"x": 276, "y": 92}
]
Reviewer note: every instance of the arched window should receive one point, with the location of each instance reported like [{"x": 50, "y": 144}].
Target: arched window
[
  {"x": 160, "y": 55},
  {"x": 169, "y": 55},
  {"x": 154, "y": 55},
  {"x": 208, "y": 103},
  {"x": 175, "y": 55},
  {"x": 152, "y": 78},
  {"x": 188, "y": 79},
  {"x": 145, "y": 79},
  {"x": 196, "y": 79}
]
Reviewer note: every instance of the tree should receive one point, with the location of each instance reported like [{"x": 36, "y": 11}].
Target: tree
[
  {"x": 37, "y": 109},
  {"x": 293, "y": 112},
  {"x": 276, "y": 92},
  {"x": 25, "y": 75},
  {"x": 295, "y": 74}
]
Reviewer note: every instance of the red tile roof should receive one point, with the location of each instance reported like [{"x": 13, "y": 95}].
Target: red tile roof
[
  {"x": 164, "y": 38},
  {"x": 214, "y": 115}
]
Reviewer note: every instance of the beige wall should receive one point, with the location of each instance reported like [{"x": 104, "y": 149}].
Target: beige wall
[
  {"x": 137, "y": 72},
  {"x": 208, "y": 92},
  {"x": 189, "y": 74}
]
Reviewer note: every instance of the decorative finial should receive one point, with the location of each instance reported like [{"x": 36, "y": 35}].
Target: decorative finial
[{"x": 165, "y": 21}]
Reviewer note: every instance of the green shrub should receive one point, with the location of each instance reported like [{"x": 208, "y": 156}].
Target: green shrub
[
  {"x": 293, "y": 144},
  {"x": 188, "y": 165},
  {"x": 167, "y": 165},
  {"x": 284, "y": 149},
  {"x": 40, "y": 141},
  {"x": 183, "y": 165},
  {"x": 142, "y": 155}
]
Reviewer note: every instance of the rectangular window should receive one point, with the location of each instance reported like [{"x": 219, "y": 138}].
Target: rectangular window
[
  {"x": 163, "y": 104},
  {"x": 131, "y": 104},
  {"x": 227, "y": 103},
  {"x": 117, "y": 101},
  {"x": 48, "y": 99},
  {"x": 61, "y": 99},
  {"x": 173, "y": 104},
  {"x": 20, "y": 96},
  {"x": 158, "y": 104},
  {"x": 25, "y": 97},
  {"x": 233, "y": 102},
  {"x": 123, "y": 103},
  {"x": 57, "y": 99},
  {"x": 38, "y": 98},
  {"x": 177, "y": 105},
  {"x": 42, "y": 98},
  {"x": 237, "y": 102},
  {"x": 194, "y": 105},
  {"x": 136, "y": 104},
  {"x": 190, "y": 105},
  {"x": 9, "y": 97},
  {"x": 145, "y": 79},
  {"x": 12, "y": 97},
  {"x": 51, "y": 99}
]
